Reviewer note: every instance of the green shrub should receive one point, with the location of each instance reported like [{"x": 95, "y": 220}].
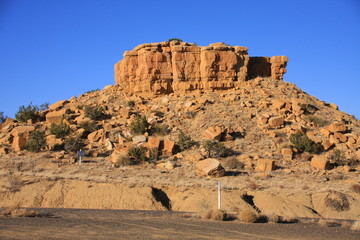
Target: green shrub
[
  {"x": 73, "y": 144},
  {"x": 36, "y": 141},
  {"x": 338, "y": 158},
  {"x": 92, "y": 91},
  {"x": 184, "y": 141},
  {"x": 89, "y": 126},
  {"x": 215, "y": 149},
  {"x": 60, "y": 130},
  {"x": 137, "y": 153},
  {"x": 95, "y": 113},
  {"x": 304, "y": 144},
  {"x": 130, "y": 103},
  {"x": 139, "y": 125},
  {"x": 26, "y": 113},
  {"x": 2, "y": 117},
  {"x": 175, "y": 39},
  {"x": 155, "y": 154}
]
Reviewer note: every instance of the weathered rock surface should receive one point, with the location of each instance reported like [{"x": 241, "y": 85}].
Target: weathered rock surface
[
  {"x": 210, "y": 167},
  {"x": 167, "y": 67}
]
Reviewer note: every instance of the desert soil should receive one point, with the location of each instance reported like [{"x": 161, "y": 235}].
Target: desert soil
[{"x": 126, "y": 224}]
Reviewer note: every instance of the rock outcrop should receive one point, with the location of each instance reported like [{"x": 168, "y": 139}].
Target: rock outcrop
[{"x": 167, "y": 67}]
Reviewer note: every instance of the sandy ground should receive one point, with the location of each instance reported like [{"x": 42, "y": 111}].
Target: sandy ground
[{"x": 116, "y": 224}]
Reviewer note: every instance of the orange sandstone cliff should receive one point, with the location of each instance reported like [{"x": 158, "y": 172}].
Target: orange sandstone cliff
[{"x": 167, "y": 67}]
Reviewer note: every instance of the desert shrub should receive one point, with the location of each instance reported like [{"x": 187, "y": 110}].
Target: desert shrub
[
  {"x": 60, "y": 130},
  {"x": 155, "y": 154},
  {"x": 138, "y": 153},
  {"x": 274, "y": 219},
  {"x": 27, "y": 113},
  {"x": 338, "y": 158},
  {"x": 184, "y": 141},
  {"x": 73, "y": 144},
  {"x": 159, "y": 129},
  {"x": 2, "y": 117},
  {"x": 58, "y": 147},
  {"x": 139, "y": 125},
  {"x": 214, "y": 149},
  {"x": 95, "y": 113},
  {"x": 247, "y": 216},
  {"x": 14, "y": 184},
  {"x": 89, "y": 126},
  {"x": 328, "y": 223},
  {"x": 216, "y": 215},
  {"x": 36, "y": 141},
  {"x": 304, "y": 144},
  {"x": 356, "y": 188},
  {"x": 159, "y": 114},
  {"x": 92, "y": 91},
  {"x": 175, "y": 39},
  {"x": 123, "y": 160},
  {"x": 234, "y": 163},
  {"x": 318, "y": 122},
  {"x": 130, "y": 103},
  {"x": 337, "y": 201}
]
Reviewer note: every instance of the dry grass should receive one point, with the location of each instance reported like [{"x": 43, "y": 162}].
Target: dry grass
[
  {"x": 337, "y": 201},
  {"x": 274, "y": 219},
  {"x": 216, "y": 215},
  {"x": 356, "y": 188},
  {"x": 356, "y": 226},
  {"x": 247, "y": 216},
  {"x": 328, "y": 223}
]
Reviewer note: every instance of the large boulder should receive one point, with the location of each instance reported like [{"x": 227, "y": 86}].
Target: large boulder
[
  {"x": 214, "y": 133},
  {"x": 210, "y": 167},
  {"x": 56, "y": 116},
  {"x": 320, "y": 162},
  {"x": 265, "y": 165}
]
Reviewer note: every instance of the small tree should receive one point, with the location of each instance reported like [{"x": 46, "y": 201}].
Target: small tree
[
  {"x": 215, "y": 149},
  {"x": 73, "y": 144},
  {"x": 26, "y": 113},
  {"x": 2, "y": 117},
  {"x": 138, "y": 153},
  {"x": 304, "y": 144},
  {"x": 60, "y": 130},
  {"x": 184, "y": 141},
  {"x": 175, "y": 40},
  {"x": 95, "y": 113},
  {"x": 36, "y": 141},
  {"x": 139, "y": 125}
]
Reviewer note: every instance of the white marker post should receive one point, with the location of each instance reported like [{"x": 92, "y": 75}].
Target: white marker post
[
  {"x": 80, "y": 155},
  {"x": 219, "y": 195}
]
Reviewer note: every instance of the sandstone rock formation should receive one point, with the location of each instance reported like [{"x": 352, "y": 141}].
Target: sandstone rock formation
[{"x": 167, "y": 67}]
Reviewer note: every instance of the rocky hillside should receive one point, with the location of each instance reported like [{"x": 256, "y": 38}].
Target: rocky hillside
[{"x": 194, "y": 112}]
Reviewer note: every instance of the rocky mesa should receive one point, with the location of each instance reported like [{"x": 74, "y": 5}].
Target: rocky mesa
[
  {"x": 178, "y": 67},
  {"x": 178, "y": 119}
]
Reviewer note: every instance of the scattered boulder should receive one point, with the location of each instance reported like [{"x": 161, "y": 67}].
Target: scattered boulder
[
  {"x": 214, "y": 133},
  {"x": 169, "y": 147},
  {"x": 56, "y": 106},
  {"x": 265, "y": 165},
  {"x": 22, "y": 131},
  {"x": 337, "y": 127},
  {"x": 320, "y": 162},
  {"x": 276, "y": 121},
  {"x": 56, "y": 116},
  {"x": 19, "y": 143},
  {"x": 139, "y": 139},
  {"x": 287, "y": 153},
  {"x": 210, "y": 167}
]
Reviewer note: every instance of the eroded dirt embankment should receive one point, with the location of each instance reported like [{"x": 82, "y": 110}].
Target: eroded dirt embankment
[{"x": 91, "y": 195}]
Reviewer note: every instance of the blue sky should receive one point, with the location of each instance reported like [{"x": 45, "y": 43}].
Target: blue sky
[{"x": 53, "y": 50}]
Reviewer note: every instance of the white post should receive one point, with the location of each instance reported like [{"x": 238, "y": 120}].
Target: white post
[
  {"x": 219, "y": 195},
  {"x": 80, "y": 157}
]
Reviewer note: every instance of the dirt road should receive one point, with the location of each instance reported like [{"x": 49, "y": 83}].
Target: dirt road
[{"x": 117, "y": 224}]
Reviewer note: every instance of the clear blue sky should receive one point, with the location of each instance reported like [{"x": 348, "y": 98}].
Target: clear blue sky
[{"x": 52, "y": 50}]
